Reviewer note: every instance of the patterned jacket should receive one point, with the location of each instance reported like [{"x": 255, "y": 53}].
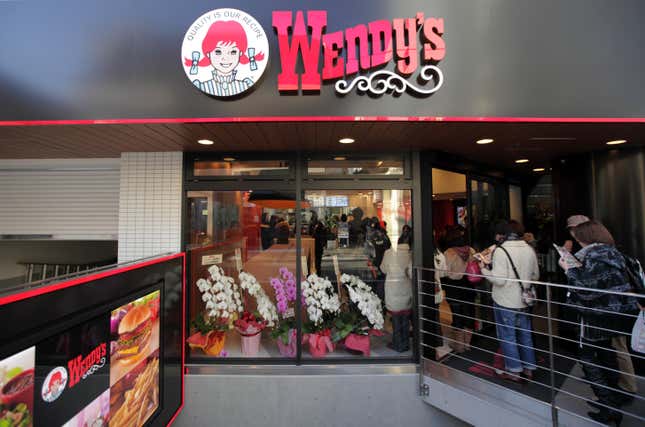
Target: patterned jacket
[{"x": 603, "y": 268}]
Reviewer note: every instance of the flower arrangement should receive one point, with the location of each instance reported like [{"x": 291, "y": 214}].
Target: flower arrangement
[
  {"x": 322, "y": 302},
  {"x": 365, "y": 303},
  {"x": 284, "y": 287},
  {"x": 222, "y": 304},
  {"x": 266, "y": 310},
  {"x": 364, "y": 317}
]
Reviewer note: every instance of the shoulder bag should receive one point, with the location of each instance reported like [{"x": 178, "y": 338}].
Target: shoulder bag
[{"x": 529, "y": 297}]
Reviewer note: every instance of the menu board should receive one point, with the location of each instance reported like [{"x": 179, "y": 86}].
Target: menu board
[
  {"x": 101, "y": 372},
  {"x": 336, "y": 201}
]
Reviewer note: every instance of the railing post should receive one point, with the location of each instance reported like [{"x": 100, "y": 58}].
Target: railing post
[{"x": 554, "y": 410}]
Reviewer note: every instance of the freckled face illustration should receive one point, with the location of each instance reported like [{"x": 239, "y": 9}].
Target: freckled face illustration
[{"x": 225, "y": 57}]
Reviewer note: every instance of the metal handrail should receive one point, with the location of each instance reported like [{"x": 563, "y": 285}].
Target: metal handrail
[{"x": 429, "y": 288}]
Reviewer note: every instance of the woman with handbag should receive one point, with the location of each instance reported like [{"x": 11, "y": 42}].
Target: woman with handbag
[
  {"x": 514, "y": 259},
  {"x": 602, "y": 315},
  {"x": 458, "y": 288}
]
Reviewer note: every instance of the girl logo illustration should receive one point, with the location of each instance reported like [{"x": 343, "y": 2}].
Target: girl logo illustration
[
  {"x": 225, "y": 52},
  {"x": 54, "y": 384}
]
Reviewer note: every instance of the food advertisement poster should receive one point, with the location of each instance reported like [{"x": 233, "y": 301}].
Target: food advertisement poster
[
  {"x": 101, "y": 372},
  {"x": 17, "y": 389},
  {"x": 72, "y": 369},
  {"x": 96, "y": 414},
  {"x": 134, "y": 361}
]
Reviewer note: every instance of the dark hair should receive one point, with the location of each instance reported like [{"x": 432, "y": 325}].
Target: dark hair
[
  {"x": 592, "y": 232},
  {"x": 282, "y": 232},
  {"x": 375, "y": 222},
  {"x": 405, "y": 238},
  {"x": 343, "y": 217},
  {"x": 455, "y": 238},
  {"x": 513, "y": 227}
]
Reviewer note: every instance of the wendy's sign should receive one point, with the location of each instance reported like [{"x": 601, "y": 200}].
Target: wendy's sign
[
  {"x": 225, "y": 53},
  {"x": 412, "y": 43}
]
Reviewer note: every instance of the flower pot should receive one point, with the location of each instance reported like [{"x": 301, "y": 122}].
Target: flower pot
[
  {"x": 359, "y": 343},
  {"x": 215, "y": 344},
  {"x": 288, "y": 350},
  {"x": 251, "y": 344},
  {"x": 319, "y": 343}
]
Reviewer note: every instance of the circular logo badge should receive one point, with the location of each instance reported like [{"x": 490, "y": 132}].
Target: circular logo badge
[
  {"x": 54, "y": 384},
  {"x": 225, "y": 52}
]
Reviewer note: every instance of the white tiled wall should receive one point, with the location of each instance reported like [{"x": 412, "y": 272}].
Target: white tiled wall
[{"x": 150, "y": 204}]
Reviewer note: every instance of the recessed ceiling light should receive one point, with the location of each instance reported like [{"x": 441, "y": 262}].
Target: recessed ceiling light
[
  {"x": 484, "y": 141},
  {"x": 205, "y": 142},
  {"x": 617, "y": 142},
  {"x": 229, "y": 159},
  {"x": 538, "y": 170},
  {"x": 522, "y": 161},
  {"x": 380, "y": 163},
  {"x": 340, "y": 158},
  {"x": 346, "y": 140}
]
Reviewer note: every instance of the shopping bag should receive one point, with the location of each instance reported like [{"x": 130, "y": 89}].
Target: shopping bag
[
  {"x": 638, "y": 334},
  {"x": 445, "y": 313}
]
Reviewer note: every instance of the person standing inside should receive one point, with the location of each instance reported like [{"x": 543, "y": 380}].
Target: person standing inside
[
  {"x": 343, "y": 232},
  {"x": 397, "y": 267},
  {"x": 320, "y": 240},
  {"x": 513, "y": 259},
  {"x": 602, "y": 314},
  {"x": 459, "y": 293},
  {"x": 627, "y": 379}
]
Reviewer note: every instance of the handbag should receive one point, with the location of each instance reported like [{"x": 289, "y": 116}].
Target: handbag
[
  {"x": 638, "y": 334},
  {"x": 473, "y": 272},
  {"x": 529, "y": 296}
]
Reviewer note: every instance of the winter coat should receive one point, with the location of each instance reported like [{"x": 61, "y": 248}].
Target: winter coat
[
  {"x": 603, "y": 268},
  {"x": 508, "y": 293},
  {"x": 397, "y": 265}
]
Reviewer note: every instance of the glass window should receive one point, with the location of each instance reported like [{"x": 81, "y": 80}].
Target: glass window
[
  {"x": 449, "y": 205},
  {"x": 365, "y": 234},
  {"x": 248, "y": 231},
  {"x": 487, "y": 210},
  {"x": 232, "y": 167},
  {"x": 346, "y": 166}
]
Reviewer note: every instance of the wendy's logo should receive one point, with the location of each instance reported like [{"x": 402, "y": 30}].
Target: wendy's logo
[
  {"x": 54, "y": 384},
  {"x": 225, "y": 52}
]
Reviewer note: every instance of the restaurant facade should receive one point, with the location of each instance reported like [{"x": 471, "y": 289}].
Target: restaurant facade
[{"x": 286, "y": 140}]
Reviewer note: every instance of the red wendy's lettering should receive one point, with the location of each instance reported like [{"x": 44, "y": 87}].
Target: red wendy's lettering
[
  {"x": 78, "y": 366},
  {"x": 310, "y": 50},
  {"x": 357, "y": 42}
]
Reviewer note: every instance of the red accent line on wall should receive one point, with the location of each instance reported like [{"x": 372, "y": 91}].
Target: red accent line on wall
[
  {"x": 183, "y": 344},
  {"x": 31, "y": 293},
  {"x": 261, "y": 119}
]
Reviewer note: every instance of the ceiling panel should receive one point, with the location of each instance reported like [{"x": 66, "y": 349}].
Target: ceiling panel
[{"x": 539, "y": 142}]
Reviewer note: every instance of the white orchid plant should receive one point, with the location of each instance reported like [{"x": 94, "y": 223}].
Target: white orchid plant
[
  {"x": 223, "y": 300},
  {"x": 266, "y": 313},
  {"x": 321, "y": 301},
  {"x": 365, "y": 313}
]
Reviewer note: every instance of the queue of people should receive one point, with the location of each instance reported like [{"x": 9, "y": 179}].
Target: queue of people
[{"x": 598, "y": 277}]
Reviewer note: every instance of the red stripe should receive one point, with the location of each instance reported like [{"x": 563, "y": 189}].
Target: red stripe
[
  {"x": 31, "y": 293},
  {"x": 183, "y": 345},
  {"x": 469, "y": 119}
]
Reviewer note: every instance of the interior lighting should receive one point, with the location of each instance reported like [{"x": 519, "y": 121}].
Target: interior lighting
[
  {"x": 340, "y": 158},
  {"x": 484, "y": 141},
  {"x": 205, "y": 142},
  {"x": 522, "y": 161},
  {"x": 616, "y": 142},
  {"x": 346, "y": 140},
  {"x": 538, "y": 170},
  {"x": 229, "y": 159}
]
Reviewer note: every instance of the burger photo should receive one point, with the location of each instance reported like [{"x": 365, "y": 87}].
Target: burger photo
[{"x": 135, "y": 331}]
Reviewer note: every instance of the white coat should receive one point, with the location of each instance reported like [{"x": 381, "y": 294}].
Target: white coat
[{"x": 397, "y": 265}]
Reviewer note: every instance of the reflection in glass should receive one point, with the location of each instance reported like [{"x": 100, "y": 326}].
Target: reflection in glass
[
  {"x": 348, "y": 166},
  {"x": 355, "y": 237},
  {"x": 241, "y": 168},
  {"x": 233, "y": 315}
]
